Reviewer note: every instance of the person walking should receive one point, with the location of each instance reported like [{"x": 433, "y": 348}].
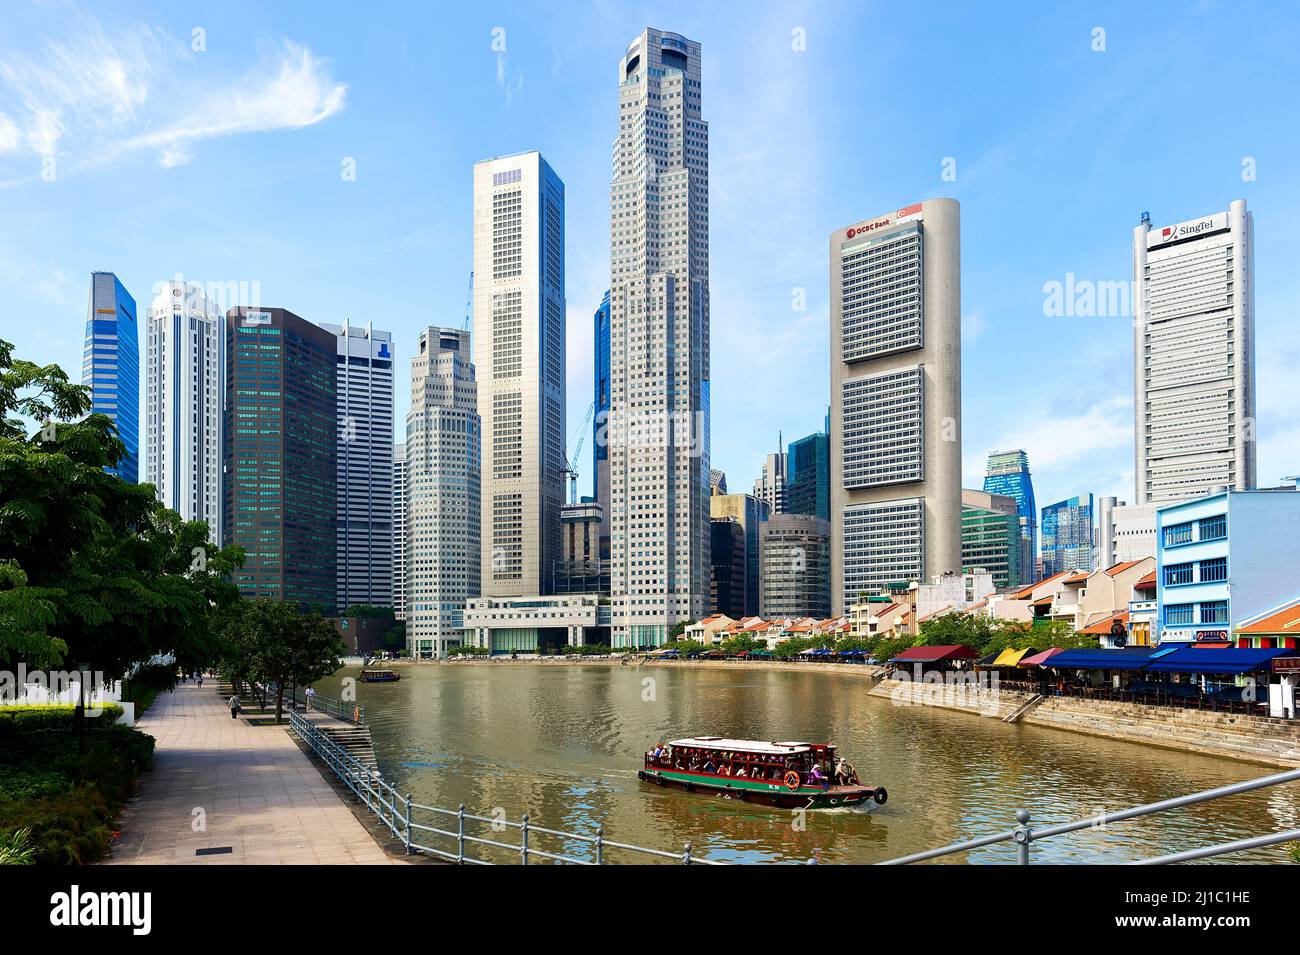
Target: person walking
[
  {"x": 311, "y": 692},
  {"x": 233, "y": 703}
]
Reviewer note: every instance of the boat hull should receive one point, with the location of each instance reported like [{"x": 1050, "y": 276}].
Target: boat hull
[{"x": 764, "y": 792}]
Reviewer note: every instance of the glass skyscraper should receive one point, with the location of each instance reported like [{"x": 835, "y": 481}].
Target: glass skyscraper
[
  {"x": 1008, "y": 475},
  {"x": 110, "y": 365},
  {"x": 600, "y": 440},
  {"x": 1067, "y": 537},
  {"x": 808, "y": 477}
]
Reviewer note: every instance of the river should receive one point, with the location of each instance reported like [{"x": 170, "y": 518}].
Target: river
[{"x": 564, "y": 742}]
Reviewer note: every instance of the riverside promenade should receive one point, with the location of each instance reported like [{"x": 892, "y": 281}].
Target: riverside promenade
[{"x": 258, "y": 795}]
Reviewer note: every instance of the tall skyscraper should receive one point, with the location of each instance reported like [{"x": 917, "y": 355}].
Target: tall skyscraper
[
  {"x": 400, "y": 504},
  {"x": 1008, "y": 474},
  {"x": 749, "y": 513},
  {"x": 364, "y": 528},
  {"x": 1194, "y": 344},
  {"x": 795, "y": 566},
  {"x": 519, "y": 355},
  {"x": 184, "y": 389},
  {"x": 1067, "y": 540},
  {"x": 110, "y": 365},
  {"x": 991, "y": 540},
  {"x": 772, "y": 486},
  {"x": 280, "y": 448},
  {"x": 443, "y": 477},
  {"x": 600, "y": 440},
  {"x": 895, "y": 399},
  {"x": 659, "y": 342},
  {"x": 808, "y": 487}
]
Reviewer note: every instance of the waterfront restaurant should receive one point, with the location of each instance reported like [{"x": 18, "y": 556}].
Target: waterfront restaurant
[{"x": 925, "y": 659}]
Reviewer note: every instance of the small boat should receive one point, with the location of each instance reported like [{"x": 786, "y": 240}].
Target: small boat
[
  {"x": 790, "y": 775},
  {"x": 380, "y": 676}
]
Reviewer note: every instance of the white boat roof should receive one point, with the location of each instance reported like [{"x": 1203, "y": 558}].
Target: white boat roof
[{"x": 744, "y": 745}]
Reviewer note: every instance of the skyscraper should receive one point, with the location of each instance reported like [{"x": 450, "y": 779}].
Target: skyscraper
[
  {"x": 519, "y": 356},
  {"x": 808, "y": 487},
  {"x": 749, "y": 513},
  {"x": 659, "y": 342},
  {"x": 795, "y": 566},
  {"x": 400, "y": 505},
  {"x": 600, "y": 441},
  {"x": 184, "y": 389},
  {"x": 1008, "y": 475},
  {"x": 895, "y": 399},
  {"x": 443, "y": 479},
  {"x": 991, "y": 540},
  {"x": 110, "y": 365},
  {"x": 1194, "y": 345},
  {"x": 280, "y": 448},
  {"x": 772, "y": 486},
  {"x": 1067, "y": 540},
  {"x": 364, "y": 528}
]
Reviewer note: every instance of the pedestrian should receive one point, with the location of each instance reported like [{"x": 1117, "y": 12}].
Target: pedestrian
[
  {"x": 311, "y": 692},
  {"x": 200, "y": 679},
  {"x": 233, "y": 703}
]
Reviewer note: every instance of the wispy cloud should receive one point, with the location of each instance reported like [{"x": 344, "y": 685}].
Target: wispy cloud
[{"x": 508, "y": 86}]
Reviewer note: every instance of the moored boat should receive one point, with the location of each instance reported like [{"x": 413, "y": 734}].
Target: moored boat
[
  {"x": 786, "y": 774},
  {"x": 380, "y": 676}
]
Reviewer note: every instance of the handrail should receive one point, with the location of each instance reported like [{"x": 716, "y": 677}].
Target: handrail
[
  {"x": 1024, "y": 836},
  {"x": 399, "y": 812}
]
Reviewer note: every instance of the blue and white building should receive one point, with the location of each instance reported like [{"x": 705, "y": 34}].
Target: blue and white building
[
  {"x": 1222, "y": 559},
  {"x": 110, "y": 364}
]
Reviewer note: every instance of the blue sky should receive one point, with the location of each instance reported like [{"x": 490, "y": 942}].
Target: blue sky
[{"x": 225, "y": 164}]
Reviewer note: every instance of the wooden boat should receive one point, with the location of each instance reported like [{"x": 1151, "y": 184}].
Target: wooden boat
[
  {"x": 380, "y": 676},
  {"x": 773, "y": 774}
]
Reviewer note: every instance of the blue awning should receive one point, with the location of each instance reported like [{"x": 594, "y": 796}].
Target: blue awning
[
  {"x": 1125, "y": 658},
  {"x": 1217, "y": 660}
]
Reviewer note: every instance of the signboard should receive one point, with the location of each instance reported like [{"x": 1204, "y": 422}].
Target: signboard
[
  {"x": 905, "y": 214},
  {"x": 1190, "y": 229},
  {"x": 1286, "y": 664},
  {"x": 1211, "y": 635}
]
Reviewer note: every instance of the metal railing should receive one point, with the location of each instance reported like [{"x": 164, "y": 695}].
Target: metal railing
[
  {"x": 339, "y": 709},
  {"x": 416, "y": 825},
  {"x": 1025, "y": 836}
]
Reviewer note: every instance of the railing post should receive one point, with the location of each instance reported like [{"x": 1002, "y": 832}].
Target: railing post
[
  {"x": 686, "y": 856},
  {"x": 460, "y": 835},
  {"x": 600, "y": 845},
  {"x": 408, "y": 824},
  {"x": 1024, "y": 835},
  {"x": 523, "y": 846}
]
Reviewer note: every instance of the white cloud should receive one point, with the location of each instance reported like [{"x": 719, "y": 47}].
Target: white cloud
[
  {"x": 176, "y": 154},
  {"x": 10, "y": 135}
]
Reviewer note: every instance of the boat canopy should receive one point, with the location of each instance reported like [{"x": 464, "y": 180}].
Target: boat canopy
[{"x": 741, "y": 745}]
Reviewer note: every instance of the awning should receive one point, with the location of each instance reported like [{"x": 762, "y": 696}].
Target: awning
[
  {"x": 1010, "y": 657},
  {"x": 935, "y": 654},
  {"x": 1040, "y": 659},
  {"x": 1206, "y": 660},
  {"x": 1125, "y": 658}
]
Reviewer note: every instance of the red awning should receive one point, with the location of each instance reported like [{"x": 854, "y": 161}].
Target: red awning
[
  {"x": 1039, "y": 659},
  {"x": 935, "y": 654}
]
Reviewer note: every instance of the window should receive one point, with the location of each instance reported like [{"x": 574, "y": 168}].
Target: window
[
  {"x": 1176, "y": 614},
  {"x": 1178, "y": 574},
  {"x": 1213, "y": 528},
  {"x": 1178, "y": 534},
  {"x": 1216, "y": 569},
  {"x": 1214, "y": 611}
]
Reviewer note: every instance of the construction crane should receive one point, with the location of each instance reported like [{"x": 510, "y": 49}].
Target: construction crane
[
  {"x": 570, "y": 463},
  {"x": 469, "y": 302}
]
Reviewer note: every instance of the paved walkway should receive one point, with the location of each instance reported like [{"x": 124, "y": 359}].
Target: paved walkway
[{"x": 260, "y": 794}]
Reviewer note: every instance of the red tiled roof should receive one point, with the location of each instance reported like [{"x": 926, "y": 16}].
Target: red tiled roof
[
  {"x": 1121, "y": 567},
  {"x": 1041, "y": 601},
  {"x": 1080, "y": 576},
  {"x": 1286, "y": 620},
  {"x": 1146, "y": 583},
  {"x": 1102, "y": 627},
  {"x": 1024, "y": 592}
]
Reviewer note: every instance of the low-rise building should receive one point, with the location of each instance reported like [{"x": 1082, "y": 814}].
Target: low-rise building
[
  {"x": 535, "y": 624},
  {"x": 709, "y": 629},
  {"x": 1275, "y": 628}
]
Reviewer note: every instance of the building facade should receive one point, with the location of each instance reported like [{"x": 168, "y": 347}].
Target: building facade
[
  {"x": 809, "y": 486},
  {"x": 443, "y": 481},
  {"x": 1066, "y": 538},
  {"x": 771, "y": 487},
  {"x": 895, "y": 399},
  {"x": 184, "y": 388},
  {"x": 659, "y": 342},
  {"x": 600, "y": 424},
  {"x": 519, "y": 328},
  {"x": 795, "y": 566},
  {"x": 727, "y": 570},
  {"x": 110, "y": 365},
  {"x": 364, "y": 525},
  {"x": 1194, "y": 344},
  {"x": 280, "y": 450},
  {"x": 991, "y": 540},
  {"x": 750, "y": 513},
  {"x": 537, "y": 624},
  {"x": 1008, "y": 474},
  {"x": 400, "y": 505},
  {"x": 581, "y": 568}
]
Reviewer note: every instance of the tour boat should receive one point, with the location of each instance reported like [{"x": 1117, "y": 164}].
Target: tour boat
[
  {"x": 379, "y": 676},
  {"x": 774, "y": 774}
]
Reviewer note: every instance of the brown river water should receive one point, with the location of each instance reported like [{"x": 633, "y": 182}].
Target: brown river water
[{"x": 564, "y": 742}]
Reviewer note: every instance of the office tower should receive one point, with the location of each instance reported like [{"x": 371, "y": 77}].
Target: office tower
[
  {"x": 600, "y": 442},
  {"x": 1008, "y": 474},
  {"x": 795, "y": 566},
  {"x": 364, "y": 527},
  {"x": 1194, "y": 363},
  {"x": 750, "y": 513},
  {"x": 727, "y": 567},
  {"x": 519, "y": 356},
  {"x": 184, "y": 389},
  {"x": 280, "y": 450},
  {"x": 808, "y": 486},
  {"x": 1066, "y": 540},
  {"x": 771, "y": 486},
  {"x": 443, "y": 478},
  {"x": 1106, "y": 507},
  {"x": 400, "y": 499},
  {"x": 110, "y": 365},
  {"x": 717, "y": 481},
  {"x": 895, "y": 400},
  {"x": 659, "y": 342},
  {"x": 581, "y": 569},
  {"x": 991, "y": 540},
  {"x": 1125, "y": 531}
]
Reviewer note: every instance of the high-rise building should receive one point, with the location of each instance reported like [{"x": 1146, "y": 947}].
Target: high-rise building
[
  {"x": 1008, "y": 474},
  {"x": 1194, "y": 363},
  {"x": 750, "y": 513},
  {"x": 1066, "y": 541},
  {"x": 1125, "y": 532},
  {"x": 400, "y": 504},
  {"x": 519, "y": 356},
  {"x": 280, "y": 449},
  {"x": 184, "y": 388},
  {"x": 795, "y": 566},
  {"x": 895, "y": 400},
  {"x": 110, "y": 365},
  {"x": 717, "y": 481},
  {"x": 991, "y": 540},
  {"x": 443, "y": 480},
  {"x": 364, "y": 528},
  {"x": 659, "y": 342},
  {"x": 727, "y": 568},
  {"x": 808, "y": 487},
  {"x": 581, "y": 569},
  {"x": 600, "y": 444},
  {"x": 771, "y": 486}
]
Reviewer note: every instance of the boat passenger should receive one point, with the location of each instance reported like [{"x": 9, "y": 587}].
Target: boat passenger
[
  {"x": 818, "y": 778},
  {"x": 841, "y": 772},
  {"x": 709, "y": 766},
  {"x": 740, "y": 773}
]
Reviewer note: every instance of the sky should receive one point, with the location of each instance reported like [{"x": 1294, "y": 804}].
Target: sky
[{"x": 324, "y": 152}]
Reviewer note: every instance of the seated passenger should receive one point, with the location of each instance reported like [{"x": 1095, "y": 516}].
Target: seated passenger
[
  {"x": 740, "y": 772},
  {"x": 818, "y": 778},
  {"x": 709, "y": 766}
]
